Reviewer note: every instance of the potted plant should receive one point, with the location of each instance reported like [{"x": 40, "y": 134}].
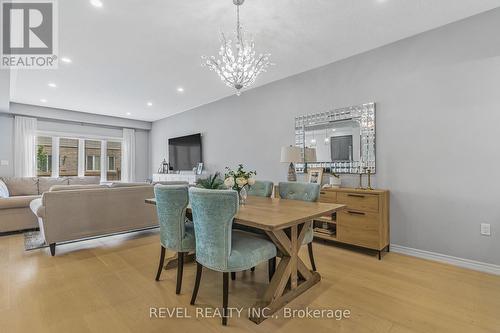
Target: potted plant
[{"x": 212, "y": 182}]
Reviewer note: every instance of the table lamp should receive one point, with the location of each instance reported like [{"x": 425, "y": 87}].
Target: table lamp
[{"x": 291, "y": 155}]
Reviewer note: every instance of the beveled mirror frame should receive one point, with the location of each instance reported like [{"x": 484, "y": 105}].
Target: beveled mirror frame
[{"x": 365, "y": 114}]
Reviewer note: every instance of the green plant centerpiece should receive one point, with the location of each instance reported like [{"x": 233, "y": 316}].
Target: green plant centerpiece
[
  {"x": 239, "y": 180},
  {"x": 212, "y": 182}
]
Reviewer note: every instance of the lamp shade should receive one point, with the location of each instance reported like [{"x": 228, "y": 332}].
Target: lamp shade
[
  {"x": 291, "y": 154},
  {"x": 310, "y": 155}
]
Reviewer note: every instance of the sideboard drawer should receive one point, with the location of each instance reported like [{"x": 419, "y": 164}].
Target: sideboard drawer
[
  {"x": 328, "y": 196},
  {"x": 365, "y": 220},
  {"x": 359, "y": 228},
  {"x": 358, "y": 236},
  {"x": 363, "y": 202}
]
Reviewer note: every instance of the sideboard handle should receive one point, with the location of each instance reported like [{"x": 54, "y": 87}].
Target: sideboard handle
[
  {"x": 355, "y": 213},
  {"x": 322, "y": 192},
  {"x": 356, "y": 195}
]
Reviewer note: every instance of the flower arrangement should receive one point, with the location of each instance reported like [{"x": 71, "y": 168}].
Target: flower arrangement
[{"x": 238, "y": 179}]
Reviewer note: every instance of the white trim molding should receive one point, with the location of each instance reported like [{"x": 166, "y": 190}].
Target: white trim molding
[{"x": 460, "y": 262}]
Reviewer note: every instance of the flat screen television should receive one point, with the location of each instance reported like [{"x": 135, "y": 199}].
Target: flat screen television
[{"x": 184, "y": 153}]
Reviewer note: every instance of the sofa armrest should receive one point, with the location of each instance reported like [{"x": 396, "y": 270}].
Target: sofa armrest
[
  {"x": 38, "y": 208},
  {"x": 17, "y": 202}
]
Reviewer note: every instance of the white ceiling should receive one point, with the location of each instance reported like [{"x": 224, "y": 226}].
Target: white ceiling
[{"x": 130, "y": 52}]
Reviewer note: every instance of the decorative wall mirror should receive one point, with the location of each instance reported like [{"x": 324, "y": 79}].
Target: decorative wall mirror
[{"x": 340, "y": 140}]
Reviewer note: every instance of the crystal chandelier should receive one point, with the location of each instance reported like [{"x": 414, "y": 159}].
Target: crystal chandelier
[{"x": 238, "y": 67}]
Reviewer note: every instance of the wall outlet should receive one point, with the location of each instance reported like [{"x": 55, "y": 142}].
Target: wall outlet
[
  {"x": 4, "y": 163},
  {"x": 485, "y": 229}
]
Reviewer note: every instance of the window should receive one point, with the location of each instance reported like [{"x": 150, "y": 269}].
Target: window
[
  {"x": 93, "y": 163},
  {"x": 78, "y": 157},
  {"x": 111, "y": 163},
  {"x": 92, "y": 158},
  {"x": 44, "y": 156},
  {"x": 68, "y": 157},
  {"x": 114, "y": 153}
]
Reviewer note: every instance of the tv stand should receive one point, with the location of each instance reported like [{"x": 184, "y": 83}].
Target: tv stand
[{"x": 191, "y": 178}]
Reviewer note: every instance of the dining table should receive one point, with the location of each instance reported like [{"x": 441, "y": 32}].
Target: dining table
[{"x": 286, "y": 223}]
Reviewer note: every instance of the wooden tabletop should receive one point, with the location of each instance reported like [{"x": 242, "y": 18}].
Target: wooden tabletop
[{"x": 275, "y": 214}]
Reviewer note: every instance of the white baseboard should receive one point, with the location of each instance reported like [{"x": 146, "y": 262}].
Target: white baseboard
[{"x": 465, "y": 263}]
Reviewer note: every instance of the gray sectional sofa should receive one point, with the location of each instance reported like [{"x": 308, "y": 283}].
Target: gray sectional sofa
[
  {"x": 70, "y": 213},
  {"x": 16, "y": 194}
]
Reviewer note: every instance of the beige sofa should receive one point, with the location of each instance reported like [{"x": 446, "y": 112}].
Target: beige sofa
[
  {"x": 69, "y": 213},
  {"x": 16, "y": 194}
]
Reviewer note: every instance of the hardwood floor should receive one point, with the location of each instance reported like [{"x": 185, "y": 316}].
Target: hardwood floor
[{"x": 108, "y": 284}]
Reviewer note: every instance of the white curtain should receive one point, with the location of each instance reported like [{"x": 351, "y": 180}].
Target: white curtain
[
  {"x": 25, "y": 146},
  {"x": 128, "y": 155}
]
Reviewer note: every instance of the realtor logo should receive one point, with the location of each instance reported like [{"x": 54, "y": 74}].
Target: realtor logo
[{"x": 29, "y": 34}]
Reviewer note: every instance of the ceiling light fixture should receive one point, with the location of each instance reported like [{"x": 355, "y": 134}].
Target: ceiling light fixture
[
  {"x": 52, "y": 85},
  {"x": 66, "y": 60},
  {"x": 128, "y": 113},
  {"x": 237, "y": 67},
  {"x": 43, "y": 100},
  {"x": 180, "y": 89},
  {"x": 149, "y": 104},
  {"x": 96, "y": 3}
]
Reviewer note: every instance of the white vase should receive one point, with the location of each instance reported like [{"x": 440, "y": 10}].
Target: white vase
[{"x": 335, "y": 182}]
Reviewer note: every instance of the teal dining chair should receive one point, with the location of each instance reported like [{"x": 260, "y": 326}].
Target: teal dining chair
[
  {"x": 176, "y": 233},
  {"x": 261, "y": 188},
  {"x": 218, "y": 247},
  {"x": 304, "y": 192}
]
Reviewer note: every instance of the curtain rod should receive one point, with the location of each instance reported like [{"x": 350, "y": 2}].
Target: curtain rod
[{"x": 81, "y": 123}]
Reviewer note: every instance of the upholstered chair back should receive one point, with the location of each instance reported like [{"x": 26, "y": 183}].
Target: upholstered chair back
[
  {"x": 171, "y": 204},
  {"x": 304, "y": 192},
  {"x": 213, "y": 213},
  {"x": 299, "y": 191},
  {"x": 261, "y": 188}
]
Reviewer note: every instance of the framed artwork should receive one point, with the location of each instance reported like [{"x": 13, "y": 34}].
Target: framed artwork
[
  {"x": 315, "y": 175},
  {"x": 199, "y": 169}
]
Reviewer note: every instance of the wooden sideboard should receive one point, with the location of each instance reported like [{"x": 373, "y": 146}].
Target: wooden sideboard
[{"x": 364, "y": 222}]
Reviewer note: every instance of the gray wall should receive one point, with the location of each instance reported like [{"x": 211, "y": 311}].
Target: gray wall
[
  {"x": 88, "y": 125},
  {"x": 438, "y": 115},
  {"x": 4, "y": 90}
]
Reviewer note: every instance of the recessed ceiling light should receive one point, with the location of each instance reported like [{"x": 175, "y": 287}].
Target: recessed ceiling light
[
  {"x": 96, "y": 3},
  {"x": 52, "y": 85},
  {"x": 43, "y": 100},
  {"x": 66, "y": 60},
  {"x": 128, "y": 113},
  {"x": 180, "y": 89},
  {"x": 149, "y": 104}
]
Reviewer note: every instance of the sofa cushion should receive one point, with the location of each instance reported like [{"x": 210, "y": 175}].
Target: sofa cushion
[
  {"x": 88, "y": 180},
  {"x": 4, "y": 190},
  {"x": 45, "y": 183},
  {"x": 56, "y": 188},
  {"x": 17, "y": 202},
  {"x": 21, "y": 185}
]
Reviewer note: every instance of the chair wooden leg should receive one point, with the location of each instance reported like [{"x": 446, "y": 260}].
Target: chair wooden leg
[
  {"x": 271, "y": 267},
  {"x": 52, "y": 249},
  {"x": 311, "y": 255},
  {"x": 199, "y": 269},
  {"x": 180, "y": 268},
  {"x": 160, "y": 266},
  {"x": 225, "y": 294},
  {"x": 233, "y": 276}
]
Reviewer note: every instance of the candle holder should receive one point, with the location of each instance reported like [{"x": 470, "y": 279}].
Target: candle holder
[
  {"x": 360, "y": 185},
  {"x": 370, "y": 180}
]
